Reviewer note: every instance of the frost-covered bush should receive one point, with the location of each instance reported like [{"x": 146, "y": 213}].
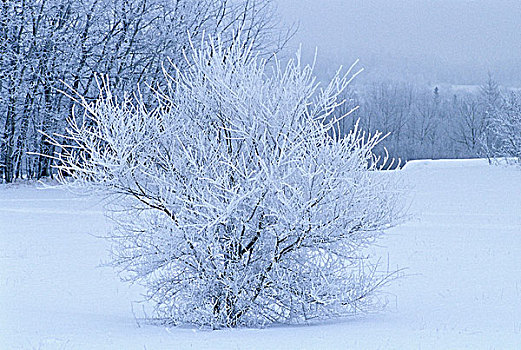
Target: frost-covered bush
[{"x": 236, "y": 202}]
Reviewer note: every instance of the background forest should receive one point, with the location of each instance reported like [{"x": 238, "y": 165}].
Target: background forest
[{"x": 51, "y": 46}]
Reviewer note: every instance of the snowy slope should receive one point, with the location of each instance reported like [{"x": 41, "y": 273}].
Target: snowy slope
[{"x": 462, "y": 248}]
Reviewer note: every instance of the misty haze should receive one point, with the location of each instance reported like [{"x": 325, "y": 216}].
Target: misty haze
[
  {"x": 434, "y": 42},
  {"x": 260, "y": 174}
]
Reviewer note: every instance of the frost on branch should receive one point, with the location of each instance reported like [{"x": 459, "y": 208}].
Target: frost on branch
[
  {"x": 505, "y": 127},
  {"x": 237, "y": 202}
]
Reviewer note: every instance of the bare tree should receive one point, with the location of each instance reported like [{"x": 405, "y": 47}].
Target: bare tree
[
  {"x": 505, "y": 127},
  {"x": 236, "y": 205},
  {"x": 471, "y": 126}
]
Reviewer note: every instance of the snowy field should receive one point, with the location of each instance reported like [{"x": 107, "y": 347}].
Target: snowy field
[{"x": 462, "y": 248}]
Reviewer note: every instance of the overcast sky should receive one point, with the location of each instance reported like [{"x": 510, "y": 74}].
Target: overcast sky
[{"x": 454, "y": 41}]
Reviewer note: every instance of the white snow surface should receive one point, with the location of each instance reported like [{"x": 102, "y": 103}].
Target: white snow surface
[{"x": 462, "y": 289}]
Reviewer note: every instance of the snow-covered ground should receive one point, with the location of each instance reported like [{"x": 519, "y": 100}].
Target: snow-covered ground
[{"x": 462, "y": 249}]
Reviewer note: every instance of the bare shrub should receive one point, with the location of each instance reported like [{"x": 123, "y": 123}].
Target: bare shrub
[{"x": 236, "y": 202}]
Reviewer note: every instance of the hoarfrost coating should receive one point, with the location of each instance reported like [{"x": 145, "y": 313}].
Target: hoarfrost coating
[{"x": 239, "y": 203}]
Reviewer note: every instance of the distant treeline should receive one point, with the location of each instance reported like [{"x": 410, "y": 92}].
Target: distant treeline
[{"x": 434, "y": 122}]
